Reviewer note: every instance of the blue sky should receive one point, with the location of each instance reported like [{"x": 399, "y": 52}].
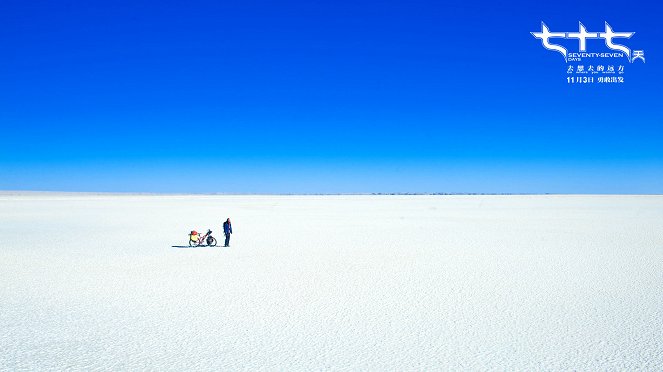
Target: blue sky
[{"x": 322, "y": 97}]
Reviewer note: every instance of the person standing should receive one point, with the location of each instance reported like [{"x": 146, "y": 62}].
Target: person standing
[{"x": 227, "y": 230}]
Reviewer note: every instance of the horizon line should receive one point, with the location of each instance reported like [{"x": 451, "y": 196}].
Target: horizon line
[{"x": 130, "y": 193}]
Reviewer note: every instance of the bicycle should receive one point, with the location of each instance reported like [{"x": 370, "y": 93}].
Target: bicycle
[{"x": 197, "y": 240}]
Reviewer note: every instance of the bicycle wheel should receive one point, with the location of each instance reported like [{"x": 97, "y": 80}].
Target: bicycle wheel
[
  {"x": 211, "y": 241},
  {"x": 194, "y": 243}
]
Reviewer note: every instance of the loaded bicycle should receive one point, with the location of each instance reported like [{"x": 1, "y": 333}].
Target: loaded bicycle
[{"x": 198, "y": 240}]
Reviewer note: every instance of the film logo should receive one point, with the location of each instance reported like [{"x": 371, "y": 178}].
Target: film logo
[{"x": 603, "y": 64}]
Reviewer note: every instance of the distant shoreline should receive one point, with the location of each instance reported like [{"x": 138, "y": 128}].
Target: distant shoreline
[{"x": 113, "y": 193}]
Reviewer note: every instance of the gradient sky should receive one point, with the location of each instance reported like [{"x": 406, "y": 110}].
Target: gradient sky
[{"x": 322, "y": 97}]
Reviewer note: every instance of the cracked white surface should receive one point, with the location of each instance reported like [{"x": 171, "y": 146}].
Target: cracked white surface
[{"x": 332, "y": 283}]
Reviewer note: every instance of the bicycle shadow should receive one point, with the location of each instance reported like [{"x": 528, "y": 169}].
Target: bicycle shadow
[{"x": 188, "y": 246}]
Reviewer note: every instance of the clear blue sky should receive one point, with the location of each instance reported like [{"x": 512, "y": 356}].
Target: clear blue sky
[{"x": 322, "y": 96}]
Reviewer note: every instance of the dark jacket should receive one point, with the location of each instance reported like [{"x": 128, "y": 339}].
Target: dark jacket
[{"x": 227, "y": 228}]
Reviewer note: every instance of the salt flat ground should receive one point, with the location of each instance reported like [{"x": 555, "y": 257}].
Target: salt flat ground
[{"x": 332, "y": 283}]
